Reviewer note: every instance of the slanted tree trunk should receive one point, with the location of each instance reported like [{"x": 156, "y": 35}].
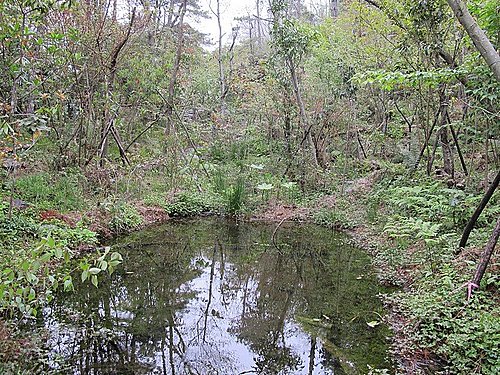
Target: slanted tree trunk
[
  {"x": 479, "y": 38},
  {"x": 485, "y": 257},
  {"x": 479, "y": 209}
]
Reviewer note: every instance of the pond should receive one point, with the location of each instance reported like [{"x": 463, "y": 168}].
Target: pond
[{"x": 211, "y": 296}]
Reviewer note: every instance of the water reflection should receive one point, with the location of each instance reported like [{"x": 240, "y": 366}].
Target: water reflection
[{"x": 213, "y": 297}]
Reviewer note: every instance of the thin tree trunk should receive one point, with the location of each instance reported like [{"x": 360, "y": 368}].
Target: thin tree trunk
[
  {"x": 334, "y": 8},
  {"x": 448, "y": 164},
  {"x": 432, "y": 156},
  {"x": 426, "y": 141},
  {"x": 259, "y": 26},
  {"x": 302, "y": 111},
  {"x": 459, "y": 151},
  {"x": 110, "y": 81},
  {"x": 485, "y": 258},
  {"x": 175, "y": 69},
  {"x": 475, "y": 216},
  {"x": 222, "y": 78}
]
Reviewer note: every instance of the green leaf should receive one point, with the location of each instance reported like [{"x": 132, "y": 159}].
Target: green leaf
[
  {"x": 51, "y": 242},
  {"x": 68, "y": 284},
  {"x": 373, "y": 323},
  {"x": 264, "y": 186},
  {"x": 94, "y": 270},
  {"x": 94, "y": 280},
  {"x": 85, "y": 275},
  {"x": 116, "y": 256},
  {"x": 31, "y": 295}
]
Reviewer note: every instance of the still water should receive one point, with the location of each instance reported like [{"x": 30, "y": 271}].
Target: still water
[{"x": 211, "y": 296}]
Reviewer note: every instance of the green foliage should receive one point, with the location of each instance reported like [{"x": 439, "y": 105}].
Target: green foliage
[
  {"x": 45, "y": 192},
  {"x": 105, "y": 261},
  {"x": 124, "y": 218},
  {"x": 17, "y": 228},
  {"x": 36, "y": 260},
  {"x": 332, "y": 218},
  {"x": 235, "y": 197},
  {"x": 487, "y": 14},
  {"x": 155, "y": 199},
  {"x": 464, "y": 335},
  {"x": 411, "y": 228},
  {"x": 429, "y": 217},
  {"x": 29, "y": 277},
  {"x": 399, "y": 80},
  {"x": 432, "y": 206},
  {"x": 290, "y": 192},
  {"x": 67, "y": 236},
  {"x": 188, "y": 204}
]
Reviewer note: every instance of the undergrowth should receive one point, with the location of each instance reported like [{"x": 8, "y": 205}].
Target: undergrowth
[{"x": 423, "y": 220}]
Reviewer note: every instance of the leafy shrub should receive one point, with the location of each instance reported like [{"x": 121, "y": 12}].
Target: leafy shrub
[
  {"x": 67, "y": 236},
  {"x": 124, "y": 218},
  {"x": 430, "y": 201},
  {"x": 188, "y": 204},
  {"x": 464, "y": 336},
  {"x": 16, "y": 228},
  {"x": 155, "y": 199},
  {"x": 290, "y": 191},
  {"x": 332, "y": 218}
]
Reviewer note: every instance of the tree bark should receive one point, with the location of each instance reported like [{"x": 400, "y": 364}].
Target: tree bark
[
  {"x": 108, "y": 122},
  {"x": 478, "y": 36},
  {"x": 485, "y": 257},
  {"x": 175, "y": 69},
  {"x": 479, "y": 209},
  {"x": 302, "y": 111},
  {"x": 334, "y": 8},
  {"x": 448, "y": 164}
]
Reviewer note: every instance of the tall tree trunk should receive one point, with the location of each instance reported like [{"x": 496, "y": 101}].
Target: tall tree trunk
[
  {"x": 479, "y": 38},
  {"x": 448, "y": 164},
  {"x": 334, "y": 8},
  {"x": 259, "y": 26},
  {"x": 308, "y": 142},
  {"x": 108, "y": 122},
  {"x": 175, "y": 69},
  {"x": 222, "y": 78}
]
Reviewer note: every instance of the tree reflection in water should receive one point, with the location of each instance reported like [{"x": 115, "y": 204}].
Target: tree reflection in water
[{"x": 215, "y": 297}]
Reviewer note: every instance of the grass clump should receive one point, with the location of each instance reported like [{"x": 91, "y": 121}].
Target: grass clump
[{"x": 63, "y": 193}]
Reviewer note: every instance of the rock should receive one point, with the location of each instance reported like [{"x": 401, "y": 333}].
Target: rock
[{"x": 20, "y": 204}]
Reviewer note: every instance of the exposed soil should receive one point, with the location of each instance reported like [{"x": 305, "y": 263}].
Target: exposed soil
[
  {"x": 277, "y": 211},
  {"x": 98, "y": 219}
]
